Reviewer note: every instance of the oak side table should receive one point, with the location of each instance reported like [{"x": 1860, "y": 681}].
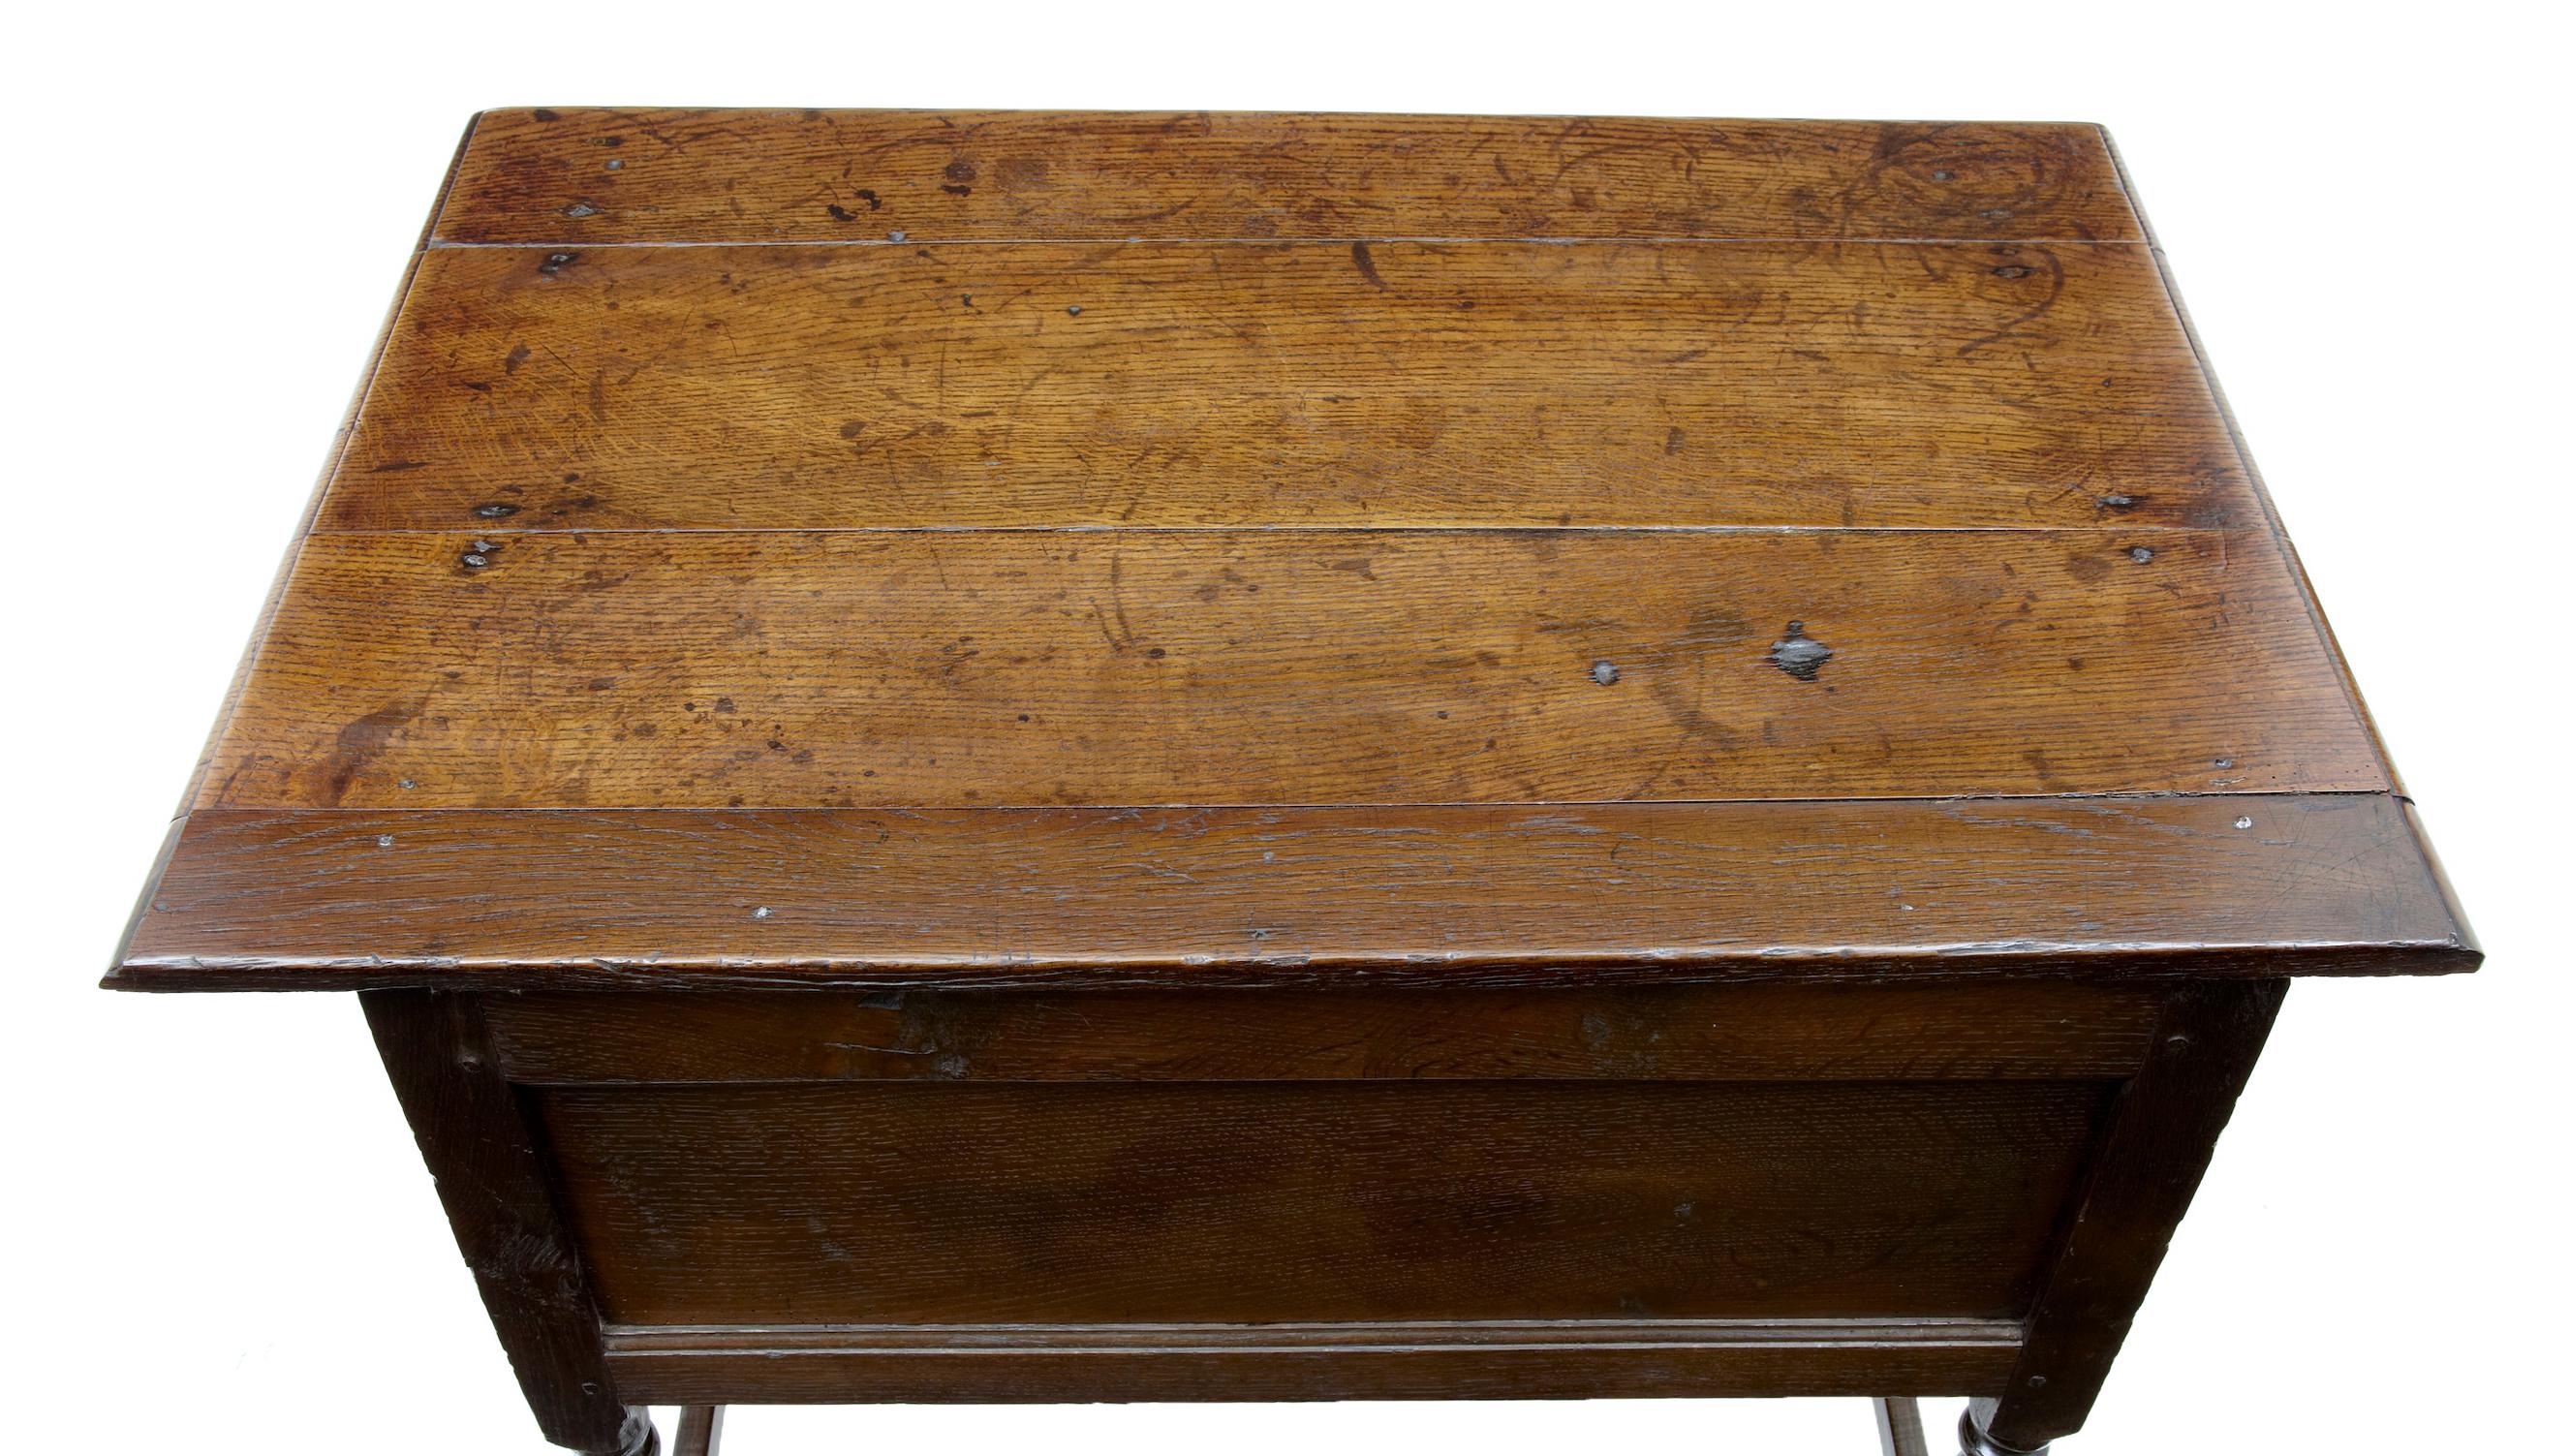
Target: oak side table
[{"x": 1064, "y": 757}]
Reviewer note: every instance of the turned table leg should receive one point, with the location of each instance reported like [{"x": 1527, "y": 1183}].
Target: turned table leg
[
  {"x": 1896, "y": 1418},
  {"x": 700, "y": 1431},
  {"x": 1978, "y": 1441}
]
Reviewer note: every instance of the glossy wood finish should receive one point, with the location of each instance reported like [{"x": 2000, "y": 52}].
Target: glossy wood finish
[
  {"x": 1978, "y": 1441},
  {"x": 1061, "y": 756}
]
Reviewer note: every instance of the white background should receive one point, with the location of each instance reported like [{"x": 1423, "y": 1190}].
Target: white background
[{"x": 216, "y": 1234}]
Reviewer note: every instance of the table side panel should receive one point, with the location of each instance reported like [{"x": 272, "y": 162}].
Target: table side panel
[
  {"x": 600, "y": 174},
  {"x": 897, "y": 1203},
  {"x": 2003, "y": 1029}
]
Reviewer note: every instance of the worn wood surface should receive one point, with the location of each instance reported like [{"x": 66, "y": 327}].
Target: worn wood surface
[
  {"x": 1380, "y": 1360},
  {"x": 595, "y": 175},
  {"x": 1340, "y": 385},
  {"x": 489, "y": 1166},
  {"x": 2157, "y": 1142},
  {"x": 1730, "y": 687},
  {"x": 1247, "y": 1203},
  {"x": 1345, "y": 465},
  {"x": 1493, "y": 895},
  {"x": 1745, "y": 1033},
  {"x": 785, "y": 669}
]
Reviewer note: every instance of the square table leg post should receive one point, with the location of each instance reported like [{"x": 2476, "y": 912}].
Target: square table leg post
[
  {"x": 2157, "y": 1143},
  {"x": 700, "y": 1431},
  {"x": 1896, "y": 1419},
  {"x": 483, "y": 1150}
]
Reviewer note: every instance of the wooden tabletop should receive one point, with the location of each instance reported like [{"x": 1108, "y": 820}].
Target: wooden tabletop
[{"x": 980, "y": 548}]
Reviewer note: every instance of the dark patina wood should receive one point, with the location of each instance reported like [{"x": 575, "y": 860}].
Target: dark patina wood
[
  {"x": 1896, "y": 1420},
  {"x": 2153, "y": 1148},
  {"x": 1995, "y": 1030},
  {"x": 491, "y": 1168},
  {"x": 700, "y": 1431},
  {"x": 994, "y": 757},
  {"x": 543, "y": 176},
  {"x": 1428, "y": 895}
]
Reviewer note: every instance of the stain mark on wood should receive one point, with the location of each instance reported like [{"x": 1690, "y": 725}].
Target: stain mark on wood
[{"x": 1364, "y": 257}]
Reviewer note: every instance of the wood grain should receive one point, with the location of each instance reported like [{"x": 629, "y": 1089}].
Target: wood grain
[
  {"x": 474, "y": 1135},
  {"x": 1249, "y": 1203},
  {"x": 2156, "y": 1145},
  {"x": 1005, "y": 669},
  {"x": 589, "y": 175},
  {"x": 1383, "y": 384},
  {"x": 1295, "y": 757},
  {"x": 1160, "y": 462},
  {"x": 1448, "y": 1359},
  {"x": 700, "y": 1431},
  {"x": 2312, "y": 884},
  {"x": 1748, "y": 1033}
]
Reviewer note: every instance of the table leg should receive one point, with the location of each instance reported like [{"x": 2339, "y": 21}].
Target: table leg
[
  {"x": 478, "y": 1141},
  {"x": 700, "y": 1431},
  {"x": 1978, "y": 1440},
  {"x": 2158, "y": 1139},
  {"x": 1896, "y": 1418}
]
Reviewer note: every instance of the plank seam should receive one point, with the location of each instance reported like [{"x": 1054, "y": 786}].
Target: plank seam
[
  {"x": 491, "y": 533},
  {"x": 2135, "y": 796}
]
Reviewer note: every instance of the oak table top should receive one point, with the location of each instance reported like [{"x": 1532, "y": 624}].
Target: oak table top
[{"x": 973, "y": 549}]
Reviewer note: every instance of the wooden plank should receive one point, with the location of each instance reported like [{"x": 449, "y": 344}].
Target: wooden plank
[
  {"x": 1452, "y": 1361},
  {"x": 340, "y": 439},
  {"x": 493, "y": 1182},
  {"x": 2156, "y": 1145},
  {"x": 2257, "y": 483},
  {"x": 1440, "y": 895},
  {"x": 1383, "y": 384},
  {"x": 1752, "y": 1033},
  {"x": 588, "y": 175},
  {"x": 896, "y": 1203},
  {"x": 1051, "y": 668}
]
